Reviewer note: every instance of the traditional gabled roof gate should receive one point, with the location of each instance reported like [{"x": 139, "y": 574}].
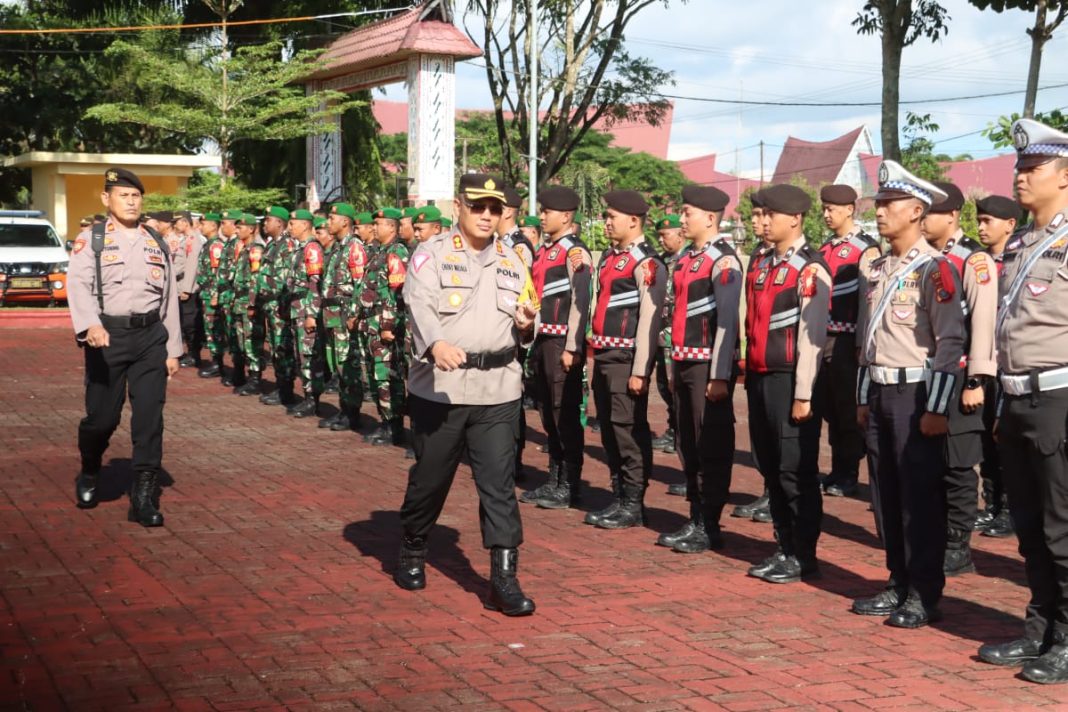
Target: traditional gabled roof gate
[{"x": 419, "y": 47}]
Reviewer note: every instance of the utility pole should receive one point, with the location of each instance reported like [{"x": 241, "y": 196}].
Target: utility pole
[
  {"x": 465, "y": 156},
  {"x": 532, "y": 200},
  {"x": 762, "y": 162}
]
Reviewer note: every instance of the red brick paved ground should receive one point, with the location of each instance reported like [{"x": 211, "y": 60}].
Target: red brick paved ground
[{"x": 269, "y": 587}]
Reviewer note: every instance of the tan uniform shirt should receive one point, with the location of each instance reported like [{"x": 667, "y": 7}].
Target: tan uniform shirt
[
  {"x": 979, "y": 281},
  {"x": 727, "y": 285},
  {"x": 468, "y": 299},
  {"x": 577, "y": 314},
  {"x": 190, "y": 247},
  {"x": 137, "y": 279},
  {"x": 1034, "y": 331},
  {"x": 923, "y": 323}
]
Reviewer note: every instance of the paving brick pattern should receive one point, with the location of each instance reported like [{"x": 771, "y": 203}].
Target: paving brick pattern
[{"x": 270, "y": 585}]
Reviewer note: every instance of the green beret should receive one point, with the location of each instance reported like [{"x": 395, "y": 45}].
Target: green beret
[
  {"x": 669, "y": 222},
  {"x": 277, "y": 211},
  {"x": 410, "y": 212},
  {"x": 247, "y": 219},
  {"x": 302, "y": 214},
  {"x": 232, "y": 214},
  {"x": 343, "y": 209},
  {"x": 318, "y": 222},
  {"x": 389, "y": 213},
  {"x": 530, "y": 221},
  {"x": 446, "y": 223},
  {"x": 364, "y": 218},
  {"x": 212, "y": 217},
  {"x": 427, "y": 214}
]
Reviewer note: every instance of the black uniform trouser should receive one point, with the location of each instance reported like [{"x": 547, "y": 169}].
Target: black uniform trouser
[
  {"x": 624, "y": 418},
  {"x": 191, "y": 319},
  {"x": 964, "y": 450},
  {"x": 559, "y": 400},
  {"x": 135, "y": 362},
  {"x": 441, "y": 433},
  {"x": 912, "y": 497},
  {"x": 663, "y": 385},
  {"x": 837, "y": 393},
  {"x": 990, "y": 469},
  {"x": 1032, "y": 439},
  {"x": 788, "y": 456},
  {"x": 521, "y": 442},
  {"x": 705, "y": 436}
]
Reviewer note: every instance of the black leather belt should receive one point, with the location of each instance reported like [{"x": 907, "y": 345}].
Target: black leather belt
[
  {"x": 486, "y": 360},
  {"x": 331, "y": 302},
  {"x": 133, "y": 321}
]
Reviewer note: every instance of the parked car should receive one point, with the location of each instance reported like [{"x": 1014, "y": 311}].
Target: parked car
[{"x": 33, "y": 260}]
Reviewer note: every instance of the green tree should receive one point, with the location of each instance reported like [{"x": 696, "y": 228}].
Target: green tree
[
  {"x": 585, "y": 75},
  {"x": 1000, "y": 132},
  {"x": 918, "y": 155},
  {"x": 1040, "y": 33},
  {"x": 899, "y": 23},
  {"x": 207, "y": 191},
  {"x": 814, "y": 229}
]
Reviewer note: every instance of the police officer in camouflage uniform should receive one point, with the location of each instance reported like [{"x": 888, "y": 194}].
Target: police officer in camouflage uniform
[
  {"x": 382, "y": 326},
  {"x": 207, "y": 285}
]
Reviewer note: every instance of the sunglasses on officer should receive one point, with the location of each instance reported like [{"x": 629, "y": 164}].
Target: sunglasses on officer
[{"x": 495, "y": 207}]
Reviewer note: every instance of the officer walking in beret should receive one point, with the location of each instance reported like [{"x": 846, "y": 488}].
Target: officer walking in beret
[
  {"x": 964, "y": 445},
  {"x": 562, "y": 277},
  {"x": 472, "y": 305},
  {"x": 123, "y": 301},
  {"x": 912, "y": 328},
  {"x": 1032, "y": 340},
  {"x": 787, "y": 303},
  {"x": 997, "y": 217},
  {"x": 704, "y": 338},
  {"x": 844, "y": 252}
]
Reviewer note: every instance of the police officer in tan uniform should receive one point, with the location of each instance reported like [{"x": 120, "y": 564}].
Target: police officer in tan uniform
[
  {"x": 472, "y": 307},
  {"x": 788, "y": 296},
  {"x": 124, "y": 308},
  {"x": 964, "y": 445},
  {"x": 1032, "y": 340},
  {"x": 911, "y": 339},
  {"x": 192, "y": 316}
]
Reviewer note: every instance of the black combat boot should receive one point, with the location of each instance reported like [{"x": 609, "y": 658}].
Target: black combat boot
[
  {"x": 958, "y": 557},
  {"x": 1052, "y": 666},
  {"x": 1015, "y": 652},
  {"x": 671, "y": 539},
  {"x": 410, "y": 573},
  {"x": 349, "y": 420},
  {"x": 745, "y": 511},
  {"x": 272, "y": 398},
  {"x": 914, "y": 613},
  {"x": 341, "y": 421},
  {"x": 882, "y": 604},
  {"x": 505, "y": 594},
  {"x": 143, "y": 500},
  {"x": 665, "y": 442},
  {"x": 188, "y": 360},
  {"x": 85, "y": 488},
  {"x": 678, "y": 489},
  {"x": 213, "y": 368},
  {"x": 992, "y": 504},
  {"x": 532, "y": 496},
  {"x": 758, "y": 570},
  {"x": 793, "y": 568},
  {"x": 332, "y": 386},
  {"x": 329, "y": 420},
  {"x": 617, "y": 498},
  {"x": 252, "y": 385},
  {"x": 1001, "y": 525},
  {"x": 567, "y": 490},
  {"x": 631, "y": 511},
  {"x": 397, "y": 436},
  {"x": 306, "y": 408},
  {"x": 236, "y": 379}
]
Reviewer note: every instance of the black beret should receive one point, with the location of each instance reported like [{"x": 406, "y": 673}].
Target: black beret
[
  {"x": 183, "y": 215},
  {"x": 558, "y": 197},
  {"x": 838, "y": 194},
  {"x": 99, "y": 217},
  {"x": 512, "y": 198},
  {"x": 704, "y": 197},
  {"x": 116, "y": 176},
  {"x": 628, "y": 202},
  {"x": 954, "y": 198},
  {"x": 756, "y": 198},
  {"x": 998, "y": 206},
  {"x": 162, "y": 216},
  {"x": 786, "y": 199}
]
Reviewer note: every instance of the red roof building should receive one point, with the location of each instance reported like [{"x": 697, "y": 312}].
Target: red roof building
[
  {"x": 985, "y": 176},
  {"x": 819, "y": 162},
  {"x": 702, "y": 170}
]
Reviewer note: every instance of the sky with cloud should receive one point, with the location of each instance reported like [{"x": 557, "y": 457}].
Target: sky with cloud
[{"x": 807, "y": 51}]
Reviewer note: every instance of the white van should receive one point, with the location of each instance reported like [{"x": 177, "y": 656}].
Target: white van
[{"x": 33, "y": 260}]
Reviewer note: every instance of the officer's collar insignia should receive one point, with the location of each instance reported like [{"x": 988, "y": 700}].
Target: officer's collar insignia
[
  {"x": 457, "y": 242},
  {"x": 1057, "y": 220},
  {"x": 1020, "y": 137},
  {"x": 912, "y": 253},
  {"x": 500, "y": 247}
]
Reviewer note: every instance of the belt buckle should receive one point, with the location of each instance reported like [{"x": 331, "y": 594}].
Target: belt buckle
[
  {"x": 480, "y": 361},
  {"x": 137, "y": 320}
]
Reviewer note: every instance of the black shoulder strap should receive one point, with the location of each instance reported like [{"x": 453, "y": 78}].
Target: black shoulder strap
[
  {"x": 97, "y": 243},
  {"x": 160, "y": 242}
]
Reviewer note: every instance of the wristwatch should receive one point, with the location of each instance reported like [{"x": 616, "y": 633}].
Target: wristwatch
[{"x": 973, "y": 382}]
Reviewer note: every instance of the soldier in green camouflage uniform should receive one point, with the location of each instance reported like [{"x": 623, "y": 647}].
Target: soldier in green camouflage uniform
[
  {"x": 382, "y": 327},
  {"x": 305, "y": 276},
  {"x": 669, "y": 232},
  {"x": 271, "y": 302},
  {"x": 207, "y": 281},
  {"x": 224, "y": 287},
  {"x": 342, "y": 279},
  {"x": 248, "y": 332}
]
